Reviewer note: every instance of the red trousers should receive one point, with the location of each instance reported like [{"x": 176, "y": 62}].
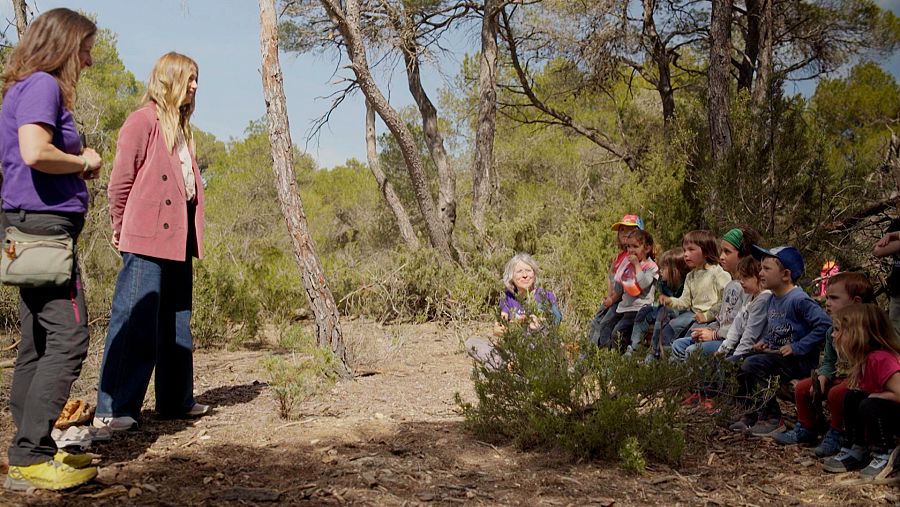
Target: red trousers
[{"x": 806, "y": 413}]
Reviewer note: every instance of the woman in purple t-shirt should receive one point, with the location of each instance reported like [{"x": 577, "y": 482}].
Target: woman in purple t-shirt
[
  {"x": 523, "y": 301},
  {"x": 44, "y": 192}
]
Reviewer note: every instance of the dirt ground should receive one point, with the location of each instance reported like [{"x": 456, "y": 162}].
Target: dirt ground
[{"x": 394, "y": 438}]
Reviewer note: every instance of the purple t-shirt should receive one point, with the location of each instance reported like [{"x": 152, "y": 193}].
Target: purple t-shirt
[{"x": 38, "y": 99}]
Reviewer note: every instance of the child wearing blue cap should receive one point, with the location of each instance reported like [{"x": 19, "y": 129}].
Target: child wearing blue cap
[{"x": 795, "y": 332}]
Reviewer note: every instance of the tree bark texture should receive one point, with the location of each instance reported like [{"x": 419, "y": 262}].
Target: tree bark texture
[
  {"x": 719, "y": 77},
  {"x": 483, "y": 163},
  {"x": 762, "y": 88},
  {"x": 21, "y": 10},
  {"x": 433, "y": 138},
  {"x": 746, "y": 67},
  {"x": 347, "y": 22},
  {"x": 321, "y": 301},
  {"x": 387, "y": 190},
  {"x": 661, "y": 57}
]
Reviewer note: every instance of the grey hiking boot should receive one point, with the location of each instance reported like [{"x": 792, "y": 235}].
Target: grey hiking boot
[
  {"x": 880, "y": 464},
  {"x": 766, "y": 427}
]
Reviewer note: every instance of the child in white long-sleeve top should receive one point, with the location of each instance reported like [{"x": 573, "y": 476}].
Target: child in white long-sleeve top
[{"x": 703, "y": 286}]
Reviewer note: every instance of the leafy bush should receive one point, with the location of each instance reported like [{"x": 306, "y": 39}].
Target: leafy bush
[
  {"x": 306, "y": 371},
  {"x": 412, "y": 286},
  {"x": 552, "y": 392},
  {"x": 226, "y": 311}
]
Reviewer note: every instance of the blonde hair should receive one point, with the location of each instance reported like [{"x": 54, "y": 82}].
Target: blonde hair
[
  {"x": 51, "y": 44},
  {"x": 863, "y": 328},
  {"x": 167, "y": 88},
  {"x": 510, "y": 270}
]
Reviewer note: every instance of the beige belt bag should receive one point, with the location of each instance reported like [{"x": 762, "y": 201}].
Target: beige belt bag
[{"x": 32, "y": 260}]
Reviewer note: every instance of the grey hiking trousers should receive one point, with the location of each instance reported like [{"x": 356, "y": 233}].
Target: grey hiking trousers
[{"x": 54, "y": 344}]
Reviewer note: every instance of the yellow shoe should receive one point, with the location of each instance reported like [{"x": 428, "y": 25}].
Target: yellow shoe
[
  {"x": 73, "y": 460},
  {"x": 47, "y": 475}
]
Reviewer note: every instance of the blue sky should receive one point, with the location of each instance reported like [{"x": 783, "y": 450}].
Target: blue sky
[{"x": 223, "y": 37}]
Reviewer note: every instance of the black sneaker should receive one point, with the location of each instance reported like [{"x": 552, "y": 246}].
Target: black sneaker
[
  {"x": 742, "y": 425},
  {"x": 844, "y": 461}
]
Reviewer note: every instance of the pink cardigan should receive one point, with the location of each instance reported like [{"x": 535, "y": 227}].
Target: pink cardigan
[{"x": 146, "y": 192}]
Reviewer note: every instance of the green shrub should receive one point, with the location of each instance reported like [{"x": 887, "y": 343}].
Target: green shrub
[
  {"x": 551, "y": 392},
  {"x": 226, "y": 311},
  {"x": 412, "y": 286},
  {"x": 307, "y": 370},
  {"x": 631, "y": 457}
]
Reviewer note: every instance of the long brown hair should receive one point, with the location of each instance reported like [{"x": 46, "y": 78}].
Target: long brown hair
[
  {"x": 672, "y": 267},
  {"x": 863, "y": 328},
  {"x": 51, "y": 44},
  {"x": 167, "y": 88}
]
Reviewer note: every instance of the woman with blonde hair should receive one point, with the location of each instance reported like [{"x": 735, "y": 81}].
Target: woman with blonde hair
[
  {"x": 156, "y": 208},
  {"x": 44, "y": 193}
]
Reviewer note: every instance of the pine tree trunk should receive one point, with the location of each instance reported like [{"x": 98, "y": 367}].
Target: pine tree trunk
[
  {"x": 387, "y": 190},
  {"x": 21, "y": 10},
  {"x": 762, "y": 88},
  {"x": 483, "y": 177},
  {"x": 321, "y": 301},
  {"x": 347, "y": 21},
  {"x": 752, "y": 35},
  {"x": 719, "y": 77},
  {"x": 661, "y": 58},
  {"x": 433, "y": 138}
]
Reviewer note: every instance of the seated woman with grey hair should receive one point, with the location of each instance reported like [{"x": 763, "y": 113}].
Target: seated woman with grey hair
[{"x": 521, "y": 291}]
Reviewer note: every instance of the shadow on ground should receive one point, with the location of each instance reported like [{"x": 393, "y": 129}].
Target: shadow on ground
[
  {"x": 421, "y": 463},
  {"x": 127, "y": 446}
]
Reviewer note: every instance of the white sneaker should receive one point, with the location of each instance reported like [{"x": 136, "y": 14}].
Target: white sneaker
[
  {"x": 199, "y": 410},
  {"x": 72, "y": 437},
  {"x": 123, "y": 423}
]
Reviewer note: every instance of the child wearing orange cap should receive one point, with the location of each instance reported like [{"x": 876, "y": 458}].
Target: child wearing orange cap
[{"x": 600, "y": 330}]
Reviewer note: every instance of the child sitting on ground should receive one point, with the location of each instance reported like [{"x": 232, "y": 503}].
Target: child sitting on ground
[
  {"x": 866, "y": 340},
  {"x": 795, "y": 332},
  {"x": 843, "y": 289},
  {"x": 750, "y": 323},
  {"x": 702, "y": 286},
  {"x": 735, "y": 245},
  {"x": 637, "y": 276},
  {"x": 672, "y": 272},
  {"x": 600, "y": 330}
]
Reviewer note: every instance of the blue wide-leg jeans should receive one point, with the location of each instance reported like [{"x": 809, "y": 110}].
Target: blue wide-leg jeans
[{"x": 149, "y": 328}]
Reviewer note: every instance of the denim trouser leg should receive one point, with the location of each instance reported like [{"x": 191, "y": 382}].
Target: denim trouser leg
[
  {"x": 621, "y": 335},
  {"x": 129, "y": 354},
  {"x": 679, "y": 348},
  {"x": 645, "y": 316},
  {"x": 149, "y": 328},
  {"x": 676, "y": 327},
  {"x": 663, "y": 316},
  {"x": 175, "y": 344},
  {"x": 707, "y": 348},
  {"x": 602, "y": 325}
]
